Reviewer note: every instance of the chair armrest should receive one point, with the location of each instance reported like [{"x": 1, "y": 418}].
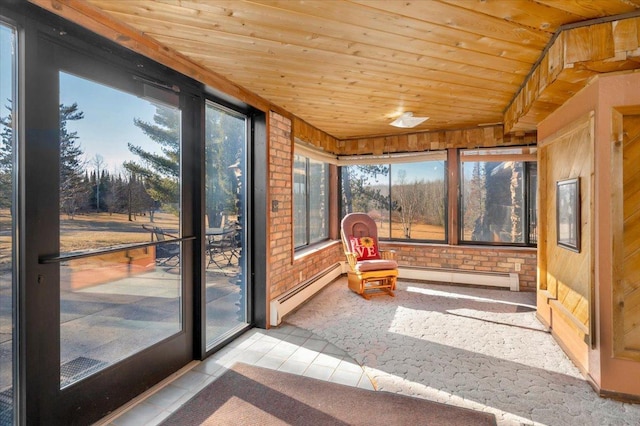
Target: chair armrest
[
  {"x": 150, "y": 230},
  {"x": 388, "y": 254},
  {"x": 352, "y": 259}
]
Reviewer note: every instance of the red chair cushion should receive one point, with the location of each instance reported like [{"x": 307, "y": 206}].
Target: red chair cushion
[{"x": 364, "y": 248}]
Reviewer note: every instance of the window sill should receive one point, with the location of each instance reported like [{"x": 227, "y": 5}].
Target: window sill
[
  {"x": 314, "y": 248},
  {"x": 496, "y": 247}
]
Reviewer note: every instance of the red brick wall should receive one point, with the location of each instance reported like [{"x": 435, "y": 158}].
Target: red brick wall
[
  {"x": 285, "y": 272},
  {"x": 471, "y": 258}
]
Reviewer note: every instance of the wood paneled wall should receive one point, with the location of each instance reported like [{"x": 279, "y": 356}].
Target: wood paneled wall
[
  {"x": 479, "y": 137},
  {"x": 626, "y": 245},
  {"x": 566, "y": 277},
  {"x": 310, "y": 134}
]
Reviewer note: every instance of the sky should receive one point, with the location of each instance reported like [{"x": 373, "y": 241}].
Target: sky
[
  {"x": 108, "y": 124},
  {"x": 416, "y": 171},
  {"x": 6, "y": 51},
  {"x": 425, "y": 170}
]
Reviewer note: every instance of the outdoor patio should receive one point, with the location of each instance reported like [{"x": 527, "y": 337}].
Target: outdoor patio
[{"x": 101, "y": 324}]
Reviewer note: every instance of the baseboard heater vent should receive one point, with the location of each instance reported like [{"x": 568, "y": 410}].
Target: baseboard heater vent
[
  {"x": 492, "y": 279},
  {"x": 293, "y": 298}
]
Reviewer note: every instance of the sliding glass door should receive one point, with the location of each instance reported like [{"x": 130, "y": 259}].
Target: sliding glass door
[
  {"x": 8, "y": 156},
  {"x": 225, "y": 304}
]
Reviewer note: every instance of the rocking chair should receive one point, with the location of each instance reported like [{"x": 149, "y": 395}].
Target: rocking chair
[{"x": 372, "y": 271}]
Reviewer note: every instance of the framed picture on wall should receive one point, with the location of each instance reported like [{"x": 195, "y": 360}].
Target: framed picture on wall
[{"x": 568, "y": 214}]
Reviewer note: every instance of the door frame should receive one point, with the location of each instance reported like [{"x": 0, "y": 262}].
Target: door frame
[
  {"x": 46, "y": 49},
  {"x": 37, "y": 395}
]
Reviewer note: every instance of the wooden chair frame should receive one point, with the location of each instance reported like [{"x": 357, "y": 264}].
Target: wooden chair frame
[{"x": 367, "y": 283}]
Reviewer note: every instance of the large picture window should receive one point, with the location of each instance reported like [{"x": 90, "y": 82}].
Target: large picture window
[
  {"x": 310, "y": 200},
  {"x": 407, "y": 199},
  {"x": 498, "y": 196}
]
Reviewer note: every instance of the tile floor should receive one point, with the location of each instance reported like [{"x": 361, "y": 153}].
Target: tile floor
[{"x": 285, "y": 348}]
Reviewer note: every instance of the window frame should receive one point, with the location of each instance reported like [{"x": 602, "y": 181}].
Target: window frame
[
  {"x": 308, "y": 241},
  {"x": 16, "y": 77},
  {"x": 93, "y": 398},
  {"x": 526, "y": 156},
  {"x": 399, "y": 159}
]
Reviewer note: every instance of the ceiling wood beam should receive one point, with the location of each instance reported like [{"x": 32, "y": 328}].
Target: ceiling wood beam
[
  {"x": 576, "y": 56},
  {"x": 479, "y": 137}
]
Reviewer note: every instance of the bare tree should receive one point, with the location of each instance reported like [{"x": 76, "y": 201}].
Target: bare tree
[{"x": 406, "y": 199}]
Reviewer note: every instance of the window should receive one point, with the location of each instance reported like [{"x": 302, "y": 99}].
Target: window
[
  {"x": 8, "y": 219},
  {"x": 407, "y": 199},
  {"x": 310, "y": 200},
  {"x": 498, "y": 196},
  {"x": 225, "y": 275}
]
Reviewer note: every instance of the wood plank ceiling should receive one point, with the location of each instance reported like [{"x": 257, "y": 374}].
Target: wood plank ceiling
[{"x": 350, "y": 67}]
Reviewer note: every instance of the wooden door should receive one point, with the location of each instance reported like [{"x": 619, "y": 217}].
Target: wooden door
[{"x": 626, "y": 238}]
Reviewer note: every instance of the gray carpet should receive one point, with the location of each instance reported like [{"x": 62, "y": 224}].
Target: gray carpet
[{"x": 248, "y": 395}]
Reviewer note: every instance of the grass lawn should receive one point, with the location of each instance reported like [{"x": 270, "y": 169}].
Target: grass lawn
[
  {"x": 94, "y": 230},
  {"x": 98, "y": 230},
  {"x": 419, "y": 231}
]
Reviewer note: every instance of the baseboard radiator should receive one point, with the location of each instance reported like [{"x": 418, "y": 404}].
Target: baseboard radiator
[
  {"x": 492, "y": 279},
  {"x": 293, "y": 298}
]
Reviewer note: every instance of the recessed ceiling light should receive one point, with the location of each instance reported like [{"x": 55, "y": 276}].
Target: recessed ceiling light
[{"x": 407, "y": 120}]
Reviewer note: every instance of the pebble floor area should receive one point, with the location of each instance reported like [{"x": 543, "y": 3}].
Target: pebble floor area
[{"x": 477, "y": 348}]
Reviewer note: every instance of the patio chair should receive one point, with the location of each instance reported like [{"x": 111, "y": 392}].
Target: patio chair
[
  {"x": 166, "y": 253},
  {"x": 372, "y": 271},
  {"x": 222, "y": 246}
]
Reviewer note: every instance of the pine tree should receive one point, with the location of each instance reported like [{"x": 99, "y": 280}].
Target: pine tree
[
  {"x": 116, "y": 195},
  {"x": 6, "y": 159},
  {"x": 224, "y": 146},
  {"x": 74, "y": 189},
  {"x": 73, "y": 179},
  {"x": 498, "y": 202},
  {"x": 98, "y": 162},
  {"x": 159, "y": 171},
  {"x": 474, "y": 204},
  {"x": 357, "y": 192}
]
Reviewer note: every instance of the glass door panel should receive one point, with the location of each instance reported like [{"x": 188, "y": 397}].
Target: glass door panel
[
  {"x": 119, "y": 185},
  {"x": 8, "y": 147},
  {"x": 225, "y": 223}
]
